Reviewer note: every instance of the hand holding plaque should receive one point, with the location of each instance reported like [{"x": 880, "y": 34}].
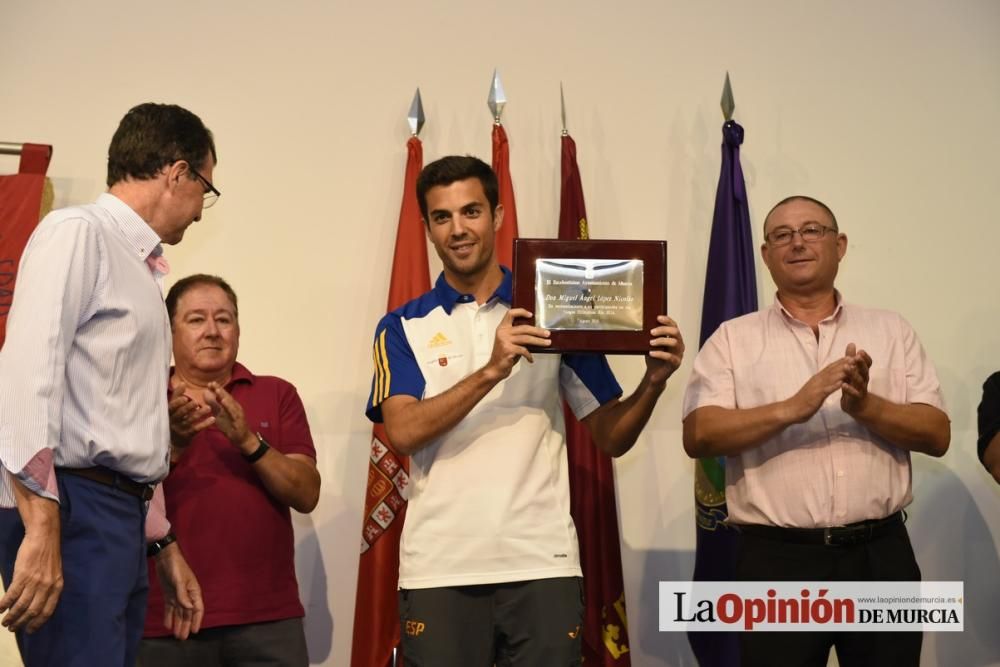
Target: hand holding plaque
[
  {"x": 514, "y": 341},
  {"x": 666, "y": 351},
  {"x": 594, "y": 296}
]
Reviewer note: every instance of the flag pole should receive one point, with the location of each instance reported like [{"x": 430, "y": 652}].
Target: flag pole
[
  {"x": 376, "y": 620},
  {"x": 730, "y": 291},
  {"x": 593, "y": 505}
]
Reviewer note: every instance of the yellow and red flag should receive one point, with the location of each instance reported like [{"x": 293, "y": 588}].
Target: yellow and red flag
[
  {"x": 376, "y": 618},
  {"x": 501, "y": 165}
]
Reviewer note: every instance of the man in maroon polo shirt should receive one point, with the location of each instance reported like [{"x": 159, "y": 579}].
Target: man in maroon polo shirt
[{"x": 241, "y": 456}]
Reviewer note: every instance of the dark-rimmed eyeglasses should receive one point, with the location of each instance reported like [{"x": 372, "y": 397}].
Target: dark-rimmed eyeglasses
[
  {"x": 810, "y": 233},
  {"x": 211, "y": 194}
]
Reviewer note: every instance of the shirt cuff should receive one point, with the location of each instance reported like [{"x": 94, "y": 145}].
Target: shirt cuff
[
  {"x": 157, "y": 525},
  {"x": 39, "y": 475}
]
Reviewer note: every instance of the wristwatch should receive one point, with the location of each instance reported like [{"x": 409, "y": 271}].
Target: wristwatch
[
  {"x": 260, "y": 451},
  {"x": 159, "y": 545}
]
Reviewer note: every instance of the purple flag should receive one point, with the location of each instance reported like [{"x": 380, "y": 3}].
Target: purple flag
[{"x": 730, "y": 291}]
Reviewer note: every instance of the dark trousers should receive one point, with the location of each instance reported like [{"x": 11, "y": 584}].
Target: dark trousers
[
  {"x": 101, "y": 611},
  {"x": 886, "y": 558},
  {"x": 272, "y": 644},
  {"x": 525, "y": 623}
]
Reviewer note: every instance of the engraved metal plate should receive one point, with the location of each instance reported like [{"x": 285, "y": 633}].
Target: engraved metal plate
[{"x": 588, "y": 294}]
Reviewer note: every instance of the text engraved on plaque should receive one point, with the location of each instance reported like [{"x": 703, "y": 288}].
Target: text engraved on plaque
[{"x": 589, "y": 294}]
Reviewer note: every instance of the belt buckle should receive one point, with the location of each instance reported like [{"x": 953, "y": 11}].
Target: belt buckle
[{"x": 828, "y": 537}]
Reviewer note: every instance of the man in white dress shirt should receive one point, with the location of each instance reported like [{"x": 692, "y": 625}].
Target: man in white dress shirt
[{"x": 84, "y": 429}]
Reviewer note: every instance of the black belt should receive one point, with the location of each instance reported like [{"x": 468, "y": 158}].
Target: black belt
[
  {"x": 109, "y": 477},
  {"x": 861, "y": 532}
]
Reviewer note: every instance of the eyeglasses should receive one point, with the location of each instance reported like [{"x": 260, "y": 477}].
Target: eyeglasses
[
  {"x": 810, "y": 233},
  {"x": 211, "y": 194}
]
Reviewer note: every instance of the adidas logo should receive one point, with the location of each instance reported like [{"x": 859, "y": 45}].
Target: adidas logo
[{"x": 439, "y": 340}]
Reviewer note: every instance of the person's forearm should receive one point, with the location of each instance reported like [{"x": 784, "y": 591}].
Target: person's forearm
[
  {"x": 38, "y": 513},
  {"x": 616, "y": 426},
  {"x": 413, "y": 424},
  {"x": 37, "y": 581},
  {"x": 183, "y": 605},
  {"x": 292, "y": 480},
  {"x": 916, "y": 427},
  {"x": 718, "y": 431}
]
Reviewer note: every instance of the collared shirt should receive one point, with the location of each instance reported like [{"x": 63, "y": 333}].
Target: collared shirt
[
  {"x": 88, "y": 346},
  {"x": 830, "y": 470},
  {"x": 489, "y": 499},
  {"x": 236, "y": 537}
]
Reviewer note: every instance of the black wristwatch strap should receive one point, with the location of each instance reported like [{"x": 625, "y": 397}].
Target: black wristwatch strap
[
  {"x": 159, "y": 545},
  {"x": 259, "y": 452}
]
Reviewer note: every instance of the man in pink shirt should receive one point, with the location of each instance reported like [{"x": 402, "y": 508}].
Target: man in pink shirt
[{"x": 817, "y": 404}]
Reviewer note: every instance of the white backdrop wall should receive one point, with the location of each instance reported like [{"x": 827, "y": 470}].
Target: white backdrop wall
[{"x": 887, "y": 111}]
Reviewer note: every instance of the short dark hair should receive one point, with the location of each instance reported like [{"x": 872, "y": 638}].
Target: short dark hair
[
  {"x": 183, "y": 285},
  {"x": 786, "y": 200},
  {"x": 452, "y": 168},
  {"x": 151, "y": 136}
]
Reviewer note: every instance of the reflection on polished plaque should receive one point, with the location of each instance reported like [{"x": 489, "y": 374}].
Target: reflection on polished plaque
[
  {"x": 589, "y": 294},
  {"x": 593, "y": 296}
]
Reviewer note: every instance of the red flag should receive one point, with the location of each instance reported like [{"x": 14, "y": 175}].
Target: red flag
[
  {"x": 20, "y": 208},
  {"x": 501, "y": 165},
  {"x": 592, "y": 486},
  {"x": 376, "y": 617}
]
